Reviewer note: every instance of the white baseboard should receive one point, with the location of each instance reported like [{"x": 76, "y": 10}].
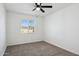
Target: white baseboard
[
  {"x": 61, "y": 47},
  {"x": 24, "y": 42}
]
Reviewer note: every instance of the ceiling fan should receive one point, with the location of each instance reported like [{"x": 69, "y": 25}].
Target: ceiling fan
[{"x": 38, "y": 6}]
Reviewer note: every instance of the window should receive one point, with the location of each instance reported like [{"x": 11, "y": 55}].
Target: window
[{"x": 27, "y": 26}]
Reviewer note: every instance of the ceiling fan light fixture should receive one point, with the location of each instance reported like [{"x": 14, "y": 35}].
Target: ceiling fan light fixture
[{"x": 37, "y": 8}]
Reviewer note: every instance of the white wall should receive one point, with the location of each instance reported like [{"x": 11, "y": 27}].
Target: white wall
[
  {"x": 62, "y": 28},
  {"x": 2, "y": 30},
  {"x": 14, "y": 36}
]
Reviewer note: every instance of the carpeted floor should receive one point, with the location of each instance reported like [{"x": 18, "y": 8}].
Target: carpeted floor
[{"x": 36, "y": 49}]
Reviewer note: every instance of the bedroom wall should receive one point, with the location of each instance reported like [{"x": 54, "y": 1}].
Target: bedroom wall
[
  {"x": 62, "y": 28},
  {"x": 2, "y": 29},
  {"x": 15, "y": 36}
]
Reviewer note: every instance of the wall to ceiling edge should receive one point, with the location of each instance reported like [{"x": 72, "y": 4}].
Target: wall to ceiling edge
[{"x": 62, "y": 28}]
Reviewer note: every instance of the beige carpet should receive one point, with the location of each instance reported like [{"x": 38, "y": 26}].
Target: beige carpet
[{"x": 36, "y": 49}]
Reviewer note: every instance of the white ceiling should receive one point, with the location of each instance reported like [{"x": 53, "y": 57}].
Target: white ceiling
[{"x": 27, "y": 8}]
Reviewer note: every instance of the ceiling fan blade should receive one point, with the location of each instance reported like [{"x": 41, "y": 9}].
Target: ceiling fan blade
[
  {"x": 34, "y": 9},
  {"x": 42, "y": 10},
  {"x": 36, "y": 4},
  {"x": 46, "y": 6}
]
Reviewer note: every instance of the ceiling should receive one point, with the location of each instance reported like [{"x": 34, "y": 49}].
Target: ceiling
[{"x": 27, "y": 8}]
